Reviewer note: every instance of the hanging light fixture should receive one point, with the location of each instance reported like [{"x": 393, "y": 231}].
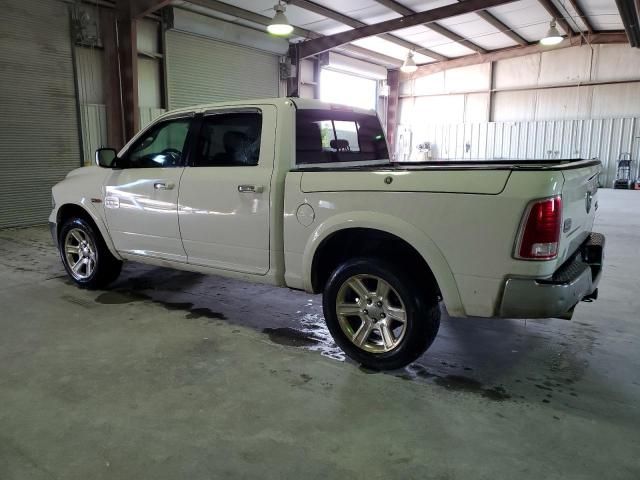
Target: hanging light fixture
[
  {"x": 409, "y": 65},
  {"x": 280, "y": 25},
  {"x": 553, "y": 36}
]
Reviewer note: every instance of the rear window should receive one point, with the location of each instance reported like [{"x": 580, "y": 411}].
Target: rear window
[{"x": 334, "y": 136}]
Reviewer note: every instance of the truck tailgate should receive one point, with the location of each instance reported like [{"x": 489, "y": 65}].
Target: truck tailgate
[{"x": 579, "y": 204}]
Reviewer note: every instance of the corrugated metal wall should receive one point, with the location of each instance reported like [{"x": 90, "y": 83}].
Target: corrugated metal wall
[
  {"x": 604, "y": 138},
  {"x": 38, "y": 116},
  {"x": 201, "y": 70}
]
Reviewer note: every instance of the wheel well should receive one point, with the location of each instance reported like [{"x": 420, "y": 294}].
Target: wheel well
[
  {"x": 365, "y": 242},
  {"x": 70, "y": 210}
]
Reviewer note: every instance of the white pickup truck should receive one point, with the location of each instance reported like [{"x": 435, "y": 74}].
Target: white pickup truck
[{"x": 301, "y": 194}]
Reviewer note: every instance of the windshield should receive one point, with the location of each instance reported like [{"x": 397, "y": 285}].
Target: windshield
[{"x": 335, "y": 136}]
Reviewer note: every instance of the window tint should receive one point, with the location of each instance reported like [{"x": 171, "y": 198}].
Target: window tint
[
  {"x": 333, "y": 136},
  {"x": 229, "y": 139},
  {"x": 160, "y": 146}
]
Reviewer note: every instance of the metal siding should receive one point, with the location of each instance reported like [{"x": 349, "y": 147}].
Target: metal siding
[
  {"x": 201, "y": 70},
  {"x": 38, "y": 116},
  {"x": 604, "y": 138},
  {"x": 94, "y": 130}
]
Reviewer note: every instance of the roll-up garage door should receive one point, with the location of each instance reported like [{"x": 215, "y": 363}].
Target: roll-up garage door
[
  {"x": 38, "y": 118},
  {"x": 202, "y": 70}
]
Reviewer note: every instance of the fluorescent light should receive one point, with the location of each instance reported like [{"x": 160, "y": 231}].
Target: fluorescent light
[
  {"x": 553, "y": 36},
  {"x": 409, "y": 65},
  {"x": 279, "y": 25}
]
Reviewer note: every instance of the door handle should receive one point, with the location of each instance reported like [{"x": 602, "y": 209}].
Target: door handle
[
  {"x": 250, "y": 188},
  {"x": 163, "y": 185}
]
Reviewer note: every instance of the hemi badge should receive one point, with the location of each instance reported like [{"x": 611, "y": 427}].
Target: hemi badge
[{"x": 96, "y": 200}]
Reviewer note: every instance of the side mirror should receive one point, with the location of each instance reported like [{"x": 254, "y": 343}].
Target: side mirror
[{"x": 105, "y": 157}]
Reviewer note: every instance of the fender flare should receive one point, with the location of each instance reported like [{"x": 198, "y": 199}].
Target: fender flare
[
  {"x": 86, "y": 205},
  {"x": 419, "y": 240}
]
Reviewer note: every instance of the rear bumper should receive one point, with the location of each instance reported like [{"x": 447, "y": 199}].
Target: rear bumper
[{"x": 556, "y": 296}]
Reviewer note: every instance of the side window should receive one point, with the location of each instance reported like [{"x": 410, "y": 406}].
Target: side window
[
  {"x": 333, "y": 136},
  {"x": 160, "y": 146},
  {"x": 229, "y": 140}
]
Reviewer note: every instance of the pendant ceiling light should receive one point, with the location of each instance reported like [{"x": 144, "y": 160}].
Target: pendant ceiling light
[
  {"x": 553, "y": 36},
  {"x": 280, "y": 25},
  {"x": 409, "y": 65}
]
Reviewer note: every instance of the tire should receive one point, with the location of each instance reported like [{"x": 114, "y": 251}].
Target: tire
[
  {"x": 85, "y": 256},
  {"x": 370, "y": 331}
]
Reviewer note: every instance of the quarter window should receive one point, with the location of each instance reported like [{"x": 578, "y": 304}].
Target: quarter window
[
  {"x": 229, "y": 140},
  {"x": 160, "y": 146}
]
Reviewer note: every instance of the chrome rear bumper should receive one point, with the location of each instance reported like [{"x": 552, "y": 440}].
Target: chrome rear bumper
[{"x": 575, "y": 280}]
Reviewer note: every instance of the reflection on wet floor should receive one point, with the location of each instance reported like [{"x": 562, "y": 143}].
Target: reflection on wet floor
[{"x": 495, "y": 360}]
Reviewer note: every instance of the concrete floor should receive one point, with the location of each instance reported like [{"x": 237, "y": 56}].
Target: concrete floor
[{"x": 176, "y": 375}]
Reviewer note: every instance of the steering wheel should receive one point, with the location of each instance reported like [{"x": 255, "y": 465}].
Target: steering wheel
[{"x": 173, "y": 154}]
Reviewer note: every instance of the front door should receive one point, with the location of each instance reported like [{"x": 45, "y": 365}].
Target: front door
[
  {"x": 141, "y": 194},
  {"x": 225, "y": 191}
]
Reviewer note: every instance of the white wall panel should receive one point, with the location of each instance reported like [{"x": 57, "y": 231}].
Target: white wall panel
[
  {"x": 148, "y": 37},
  {"x": 616, "y": 62},
  {"x": 149, "y": 91},
  {"x": 566, "y": 65},
  {"x": 616, "y": 100},
  {"x": 474, "y": 78},
  {"x": 520, "y": 72},
  {"x": 508, "y": 106},
  {"x": 427, "y": 85},
  {"x": 441, "y": 108},
  {"x": 563, "y": 103},
  {"x": 476, "y": 108}
]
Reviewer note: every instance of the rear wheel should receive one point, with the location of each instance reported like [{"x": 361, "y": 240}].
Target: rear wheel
[
  {"x": 85, "y": 256},
  {"x": 378, "y": 314}
]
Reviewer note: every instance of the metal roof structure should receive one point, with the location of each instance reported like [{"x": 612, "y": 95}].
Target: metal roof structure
[{"x": 501, "y": 26}]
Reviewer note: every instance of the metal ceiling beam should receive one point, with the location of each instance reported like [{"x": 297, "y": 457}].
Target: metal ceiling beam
[
  {"x": 502, "y": 27},
  {"x": 445, "y": 32},
  {"x": 576, "y": 6},
  {"x": 354, "y": 23},
  {"x": 141, "y": 8},
  {"x": 513, "y": 52},
  {"x": 630, "y": 15},
  {"x": 253, "y": 17},
  {"x": 550, "y": 7},
  {"x": 313, "y": 47}
]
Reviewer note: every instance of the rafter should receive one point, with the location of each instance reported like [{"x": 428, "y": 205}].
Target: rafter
[
  {"x": 313, "y": 47},
  {"x": 253, "y": 17},
  {"x": 445, "y": 32},
  {"x": 141, "y": 8},
  {"x": 352, "y": 22},
  {"x": 578, "y": 9},
  {"x": 550, "y": 7},
  {"x": 501, "y": 26},
  {"x": 512, "y": 52}
]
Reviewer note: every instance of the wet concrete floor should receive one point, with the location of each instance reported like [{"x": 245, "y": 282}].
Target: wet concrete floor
[{"x": 172, "y": 374}]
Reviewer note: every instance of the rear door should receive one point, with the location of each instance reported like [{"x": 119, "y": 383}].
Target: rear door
[
  {"x": 141, "y": 195},
  {"x": 224, "y": 204}
]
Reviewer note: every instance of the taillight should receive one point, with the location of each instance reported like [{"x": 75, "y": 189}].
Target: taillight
[{"x": 540, "y": 232}]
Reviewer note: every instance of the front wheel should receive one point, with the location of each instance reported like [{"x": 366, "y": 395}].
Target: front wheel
[
  {"x": 85, "y": 256},
  {"x": 378, "y": 314}
]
